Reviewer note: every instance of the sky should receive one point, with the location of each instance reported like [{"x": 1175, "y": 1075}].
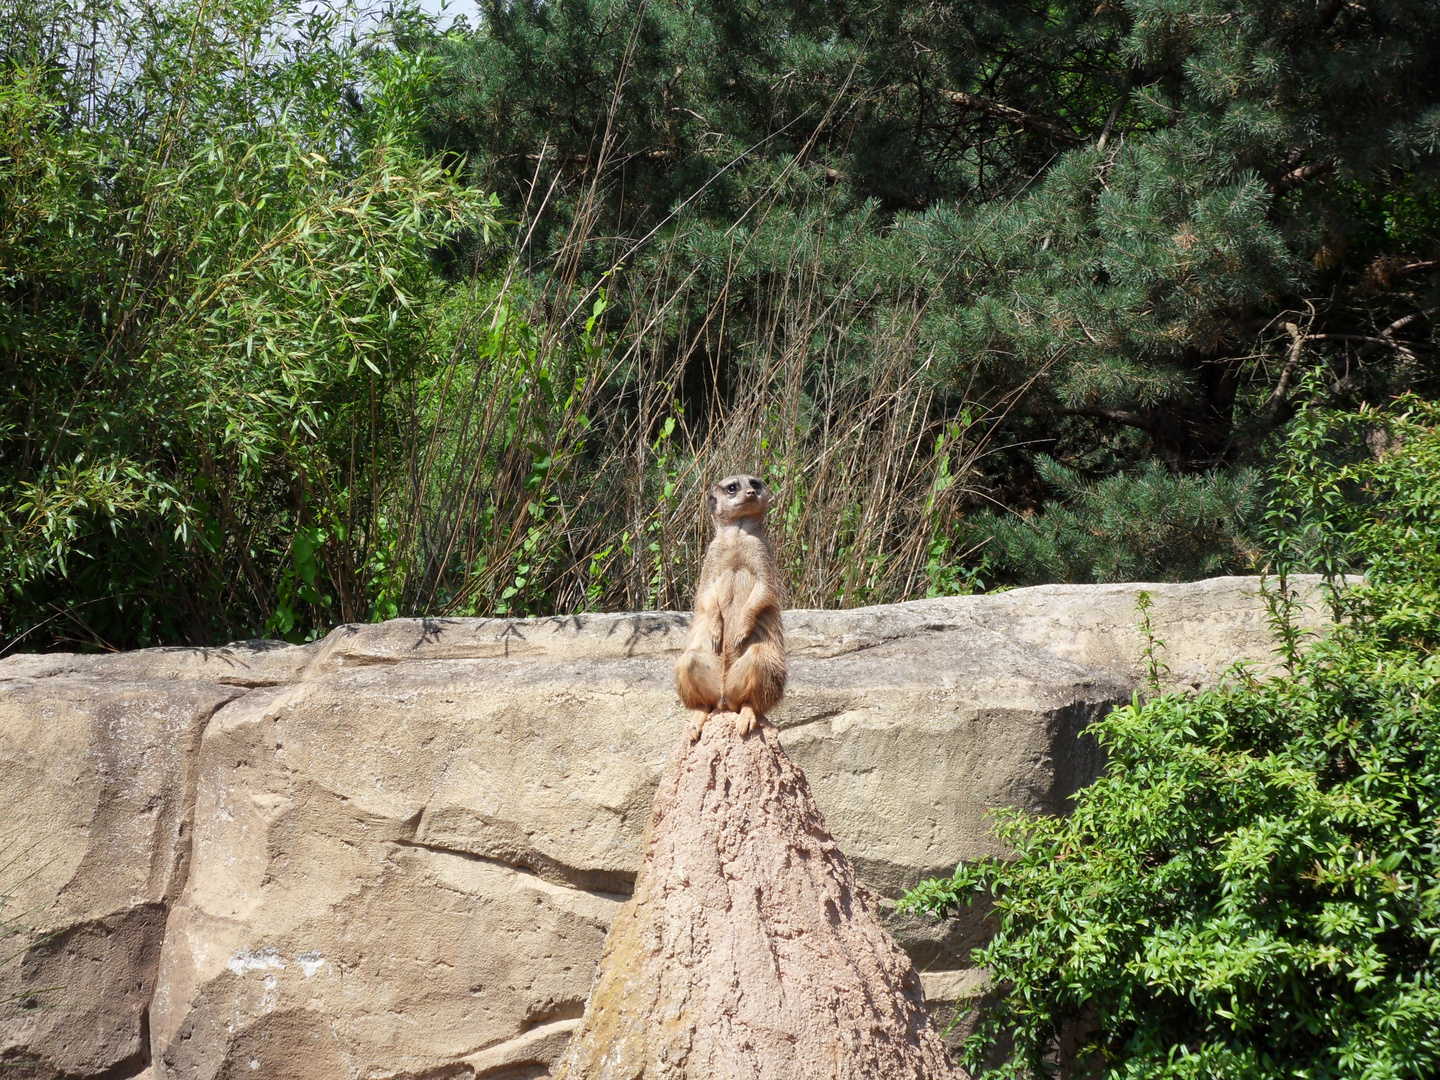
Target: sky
[{"x": 448, "y": 10}]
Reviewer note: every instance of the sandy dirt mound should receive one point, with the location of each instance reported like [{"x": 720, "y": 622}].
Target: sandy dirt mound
[{"x": 749, "y": 950}]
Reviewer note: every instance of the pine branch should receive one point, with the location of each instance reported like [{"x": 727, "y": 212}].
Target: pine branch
[
  {"x": 1279, "y": 399},
  {"x": 1299, "y": 174},
  {"x": 1128, "y": 417},
  {"x": 1008, "y": 112},
  {"x": 1371, "y": 342},
  {"x": 1387, "y": 336},
  {"x": 1384, "y": 270},
  {"x": 1277, "y": 409},
  {"x": 1110, "y": 120},
  {"x": 655, "y": 153},
  {"x": 1369, "y": 339}
]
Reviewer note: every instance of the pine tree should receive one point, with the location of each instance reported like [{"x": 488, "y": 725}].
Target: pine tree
[{"x": 1121, "y": 233}]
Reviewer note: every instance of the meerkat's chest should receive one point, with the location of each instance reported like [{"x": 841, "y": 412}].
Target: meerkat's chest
[
  {"x": 734, "y": 574},
  {"x": 733, "y": 587}
]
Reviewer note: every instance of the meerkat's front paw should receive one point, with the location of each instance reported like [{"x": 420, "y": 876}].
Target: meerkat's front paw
[
  {"x": 697, "y": 721},
  {"x": 740, "y": 633},
  {"x": 745, "y": 720}
]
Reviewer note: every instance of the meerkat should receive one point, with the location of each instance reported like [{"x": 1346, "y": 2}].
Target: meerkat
[{"x": 734, "y": 658}]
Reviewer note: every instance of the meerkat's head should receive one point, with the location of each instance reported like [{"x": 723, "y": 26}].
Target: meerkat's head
[{"x": 738, "y": 498}]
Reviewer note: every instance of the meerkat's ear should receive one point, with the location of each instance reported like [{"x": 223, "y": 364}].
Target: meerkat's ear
[{"x": 711, "y": 503}]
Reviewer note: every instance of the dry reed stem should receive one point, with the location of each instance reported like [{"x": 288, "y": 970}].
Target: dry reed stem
[{"x": 849, "y": 435}]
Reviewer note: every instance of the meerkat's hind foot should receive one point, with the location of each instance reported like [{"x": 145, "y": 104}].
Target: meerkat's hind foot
[
  {"x": 746, "y": 720},
  {"x": 697, "y": 722}
]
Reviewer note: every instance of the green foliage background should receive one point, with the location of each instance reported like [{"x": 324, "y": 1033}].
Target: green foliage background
[
  {"x": 310, "y": 316},
  {"x": 1100, "y": 229}
]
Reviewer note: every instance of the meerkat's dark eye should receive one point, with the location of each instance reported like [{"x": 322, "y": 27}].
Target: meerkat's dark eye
[
  {"x": 732, "y": 488},
  {"x": 757, "y": 485}
]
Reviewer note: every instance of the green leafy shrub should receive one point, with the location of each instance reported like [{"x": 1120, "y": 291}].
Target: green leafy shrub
[
  {"x": 1252, "y": 890},
  {"x": 243, "y": 398}
]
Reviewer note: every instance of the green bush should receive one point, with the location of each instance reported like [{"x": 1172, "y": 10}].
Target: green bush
[
  {"x": 1252, "y": 890},
  {"x": 249, "y": 390}
]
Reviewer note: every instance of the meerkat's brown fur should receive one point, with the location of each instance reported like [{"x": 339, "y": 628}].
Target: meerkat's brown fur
[{"x": 734, "y": 658}]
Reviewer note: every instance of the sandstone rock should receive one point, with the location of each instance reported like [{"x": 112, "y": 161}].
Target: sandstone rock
[
  {"x": 243, "y": 664},
  {"x": 98, "y": 785},
  {"x": 955, "y": 999},
  {"x": 324, "y": 933},
  {"x": 396, "y": 852},
  {"x": 749, "y": 950}
]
